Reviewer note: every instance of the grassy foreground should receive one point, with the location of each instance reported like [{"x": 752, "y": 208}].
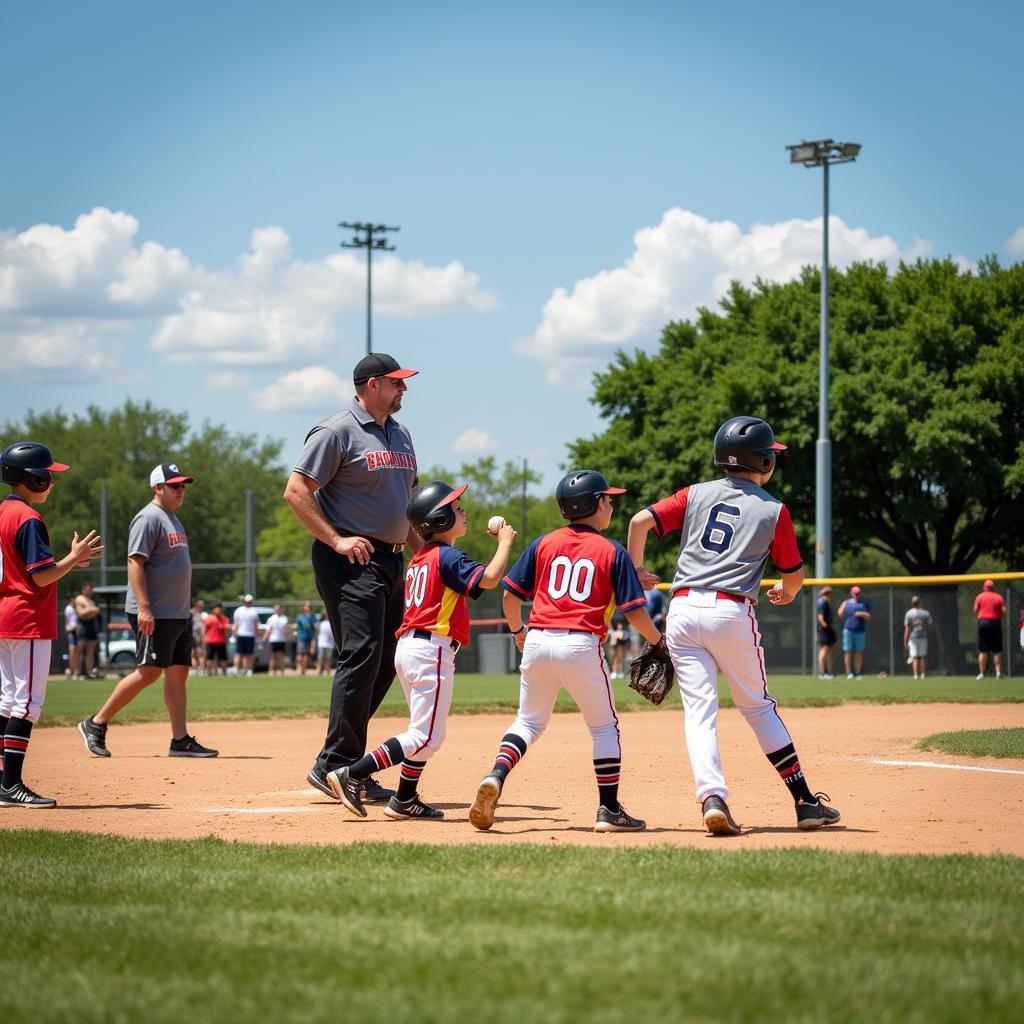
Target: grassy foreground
[
  {"x": 977, "y": 742},
  {"x": 130, "y": 930},
  {"x": 231, "y": 698}
]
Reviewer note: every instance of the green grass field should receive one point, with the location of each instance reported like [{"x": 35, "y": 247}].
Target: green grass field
[
  {"x": 977, "y": 742},
  {"x": 118, "y": 930},
  {"x": 231, "y": 698}
]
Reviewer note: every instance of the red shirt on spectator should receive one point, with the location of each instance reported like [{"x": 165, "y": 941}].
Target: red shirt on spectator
[{"x": 989, "y": 605}]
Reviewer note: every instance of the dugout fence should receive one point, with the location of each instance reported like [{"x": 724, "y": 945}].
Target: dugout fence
[{"x": 789, "y": 633}]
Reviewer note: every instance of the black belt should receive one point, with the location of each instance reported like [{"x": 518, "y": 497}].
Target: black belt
[
  {"x": 378, "y": 545},
  {"x": 422, "y": 634}
]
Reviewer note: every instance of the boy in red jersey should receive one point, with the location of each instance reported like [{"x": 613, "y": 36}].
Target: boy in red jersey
[
  {"x": 576, "y": 578},
  {"x": 28, "y": 606},
  {"x": 435, "y": 625}
]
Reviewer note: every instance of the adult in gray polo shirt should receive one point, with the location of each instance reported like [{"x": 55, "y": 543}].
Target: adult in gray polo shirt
[
  {"x": 349, "y": 489},
  {"x": 158, "y": 606}
]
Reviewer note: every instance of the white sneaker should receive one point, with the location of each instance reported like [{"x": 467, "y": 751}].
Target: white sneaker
[
  {"x": 980, "y": 676},
  {"x": 849, "y": 675},
  {"x": 999, "y": 675},
  {"x": 248, "y": 671}
]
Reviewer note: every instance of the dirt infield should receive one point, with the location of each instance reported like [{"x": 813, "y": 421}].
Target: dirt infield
[{"x": 256, "y": 790}]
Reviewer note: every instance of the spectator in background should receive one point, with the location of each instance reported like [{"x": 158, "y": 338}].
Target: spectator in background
[
  {"x": 71, "y": 632},
  {"x": 245, "y": 629},
  {"x": 855, "y": 614},
  {"x": 215, "y": 635},
  {"x": 305, "y": 637},
  {"x": 989, "y": 610},
  {"x": 198, "y": 637},
  {"x": 618, "y": 643},
  {"x": 915, "y": 635},
  {"x": 88, "y": 612},
  {"x": 656, "y": 606},
  {"x": 826, "y": 634},
  {"x": 276, "y": 635},
  {"x": 326, "y": 652}
]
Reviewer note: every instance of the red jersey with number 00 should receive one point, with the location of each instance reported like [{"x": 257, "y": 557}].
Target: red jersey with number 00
[
  {"x": 576, "y": 576},
  {"x": 437, "y": 582},
  {"x": 27, "y": 611}
]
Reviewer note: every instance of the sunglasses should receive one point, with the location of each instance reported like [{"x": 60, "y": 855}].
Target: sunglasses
[{"x": 175, "y": 487}]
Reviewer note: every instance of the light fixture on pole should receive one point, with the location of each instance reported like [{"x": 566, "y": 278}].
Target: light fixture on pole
[
  {"x": 373, "y": 236},
  {"x": 821, "y": 153}
]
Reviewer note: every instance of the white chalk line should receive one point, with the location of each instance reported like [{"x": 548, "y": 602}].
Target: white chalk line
[
  {"x": 255, "y": 810},
  {"x": 951, "y": 767}
]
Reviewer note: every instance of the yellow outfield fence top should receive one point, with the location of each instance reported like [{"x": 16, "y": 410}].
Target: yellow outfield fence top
[{"x": 874, "y": 581}]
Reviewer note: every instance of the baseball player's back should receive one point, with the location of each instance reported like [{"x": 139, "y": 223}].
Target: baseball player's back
[{"x": 729, "y": 528}]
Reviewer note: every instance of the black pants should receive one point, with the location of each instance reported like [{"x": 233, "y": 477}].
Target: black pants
[{"x": 365, "y": 604}]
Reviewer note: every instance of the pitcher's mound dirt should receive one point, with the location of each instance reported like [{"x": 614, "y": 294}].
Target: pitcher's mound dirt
[{"x": 256, "y": 790}]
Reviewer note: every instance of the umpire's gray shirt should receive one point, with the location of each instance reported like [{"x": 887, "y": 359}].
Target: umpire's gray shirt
[
  {"x": 160, "y": 539},
  {"x": 366, "y": 473}
]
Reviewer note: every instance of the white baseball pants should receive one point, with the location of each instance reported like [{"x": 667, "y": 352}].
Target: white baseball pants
[
  {"x": 553, "y": 658},
  {"x": 426, "y": 670},
  {"x": 24, "y": 666},
  {"x": 703, "y": 635}
]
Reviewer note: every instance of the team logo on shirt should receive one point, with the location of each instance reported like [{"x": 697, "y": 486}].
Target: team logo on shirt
[
  {"x": 389, "y": 460},
  {"x": 176, "y": 539}
]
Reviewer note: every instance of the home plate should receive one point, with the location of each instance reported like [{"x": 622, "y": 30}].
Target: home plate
[{"x": 255, "y": 810}]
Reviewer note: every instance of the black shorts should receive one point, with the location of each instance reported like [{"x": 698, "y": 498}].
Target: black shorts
[
  {"x": 72, "y": 638},
  {"x": 277, "y": 647},
  {"x": 89, "y": 629},
  {"x": 826, "y": 637},
  {"x": 170, "y": 643},
  {"x": 217, "y": 652},
  {"x": 245, "y": 645},
  {"x": 990, "y": 636}
]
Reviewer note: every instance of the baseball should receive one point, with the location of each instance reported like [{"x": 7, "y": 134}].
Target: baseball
[{"x": 494, "y": 524}]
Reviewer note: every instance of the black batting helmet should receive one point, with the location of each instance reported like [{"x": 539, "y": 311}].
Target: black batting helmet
[
  {"x": 430, "y": 508},
  {"x": 745, "y": 442},
  {"x": 578, "y": 491},
  {"x": 29, "y": 463}
]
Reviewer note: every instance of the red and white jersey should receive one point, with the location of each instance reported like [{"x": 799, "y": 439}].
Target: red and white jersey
[
  {"x": 438, "y": 581},
  {"x": 576, "y": 576},
  {"x": 729, "y": 528},
  {"x": 27, "y": 611}
]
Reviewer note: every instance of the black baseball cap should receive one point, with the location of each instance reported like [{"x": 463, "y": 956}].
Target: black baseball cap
[
  {"x": 168, "y": 473},
  {"x": 379, "y": 364}
]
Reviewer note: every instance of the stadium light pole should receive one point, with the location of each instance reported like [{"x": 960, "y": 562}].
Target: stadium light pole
[
  {"x": 368, "y": 237},
  {"x": 822, "y": 153}
]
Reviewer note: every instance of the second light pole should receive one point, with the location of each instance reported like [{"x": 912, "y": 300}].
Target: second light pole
[
  {"x": 368, "y": 237},
  {"x": 821, "y": 153}
]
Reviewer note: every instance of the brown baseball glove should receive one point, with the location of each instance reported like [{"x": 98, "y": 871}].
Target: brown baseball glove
[{"x": 651, "y": 673}]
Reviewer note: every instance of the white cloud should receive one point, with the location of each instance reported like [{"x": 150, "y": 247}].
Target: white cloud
[
  {"x": 63, "y": 351},
  {"x": 1015, "y": 245},
  {"x": 309, "y": 389},
  {"x": 683, "y": 263},
  {"x": 473, "y": 442},
  {"x": 227, "y": 380},
  {"x": 268, "y": 308}
]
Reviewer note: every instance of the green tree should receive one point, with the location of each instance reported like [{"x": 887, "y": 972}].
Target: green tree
[
  {"x": 119, "y": 448},
  {"x": 927, "y": 388}
]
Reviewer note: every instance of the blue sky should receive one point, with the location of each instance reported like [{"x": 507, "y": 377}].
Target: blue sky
[{"x": 567, "y": 177}]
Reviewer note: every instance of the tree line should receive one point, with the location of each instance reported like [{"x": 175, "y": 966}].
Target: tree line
[{"x": 927, "y": 394}]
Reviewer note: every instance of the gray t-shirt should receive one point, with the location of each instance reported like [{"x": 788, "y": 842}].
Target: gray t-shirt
[
  {"x": 160, "y": 538},
  {"x": 918, "y": 620},
  {"x": 366, "y": 473}
]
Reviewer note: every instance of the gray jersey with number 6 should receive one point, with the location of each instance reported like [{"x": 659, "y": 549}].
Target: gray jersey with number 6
[{"x": 728, "y": 529}]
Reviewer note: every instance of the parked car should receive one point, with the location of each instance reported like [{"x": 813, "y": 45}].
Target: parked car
[{"x": 117, "y": 647}]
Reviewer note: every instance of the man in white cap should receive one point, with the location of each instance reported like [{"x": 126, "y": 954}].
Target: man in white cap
[
  {"x": 159, "y": 608},
  {"x": 245, "y": 628}
]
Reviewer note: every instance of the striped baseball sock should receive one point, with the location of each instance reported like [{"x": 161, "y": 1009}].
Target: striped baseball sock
[
  {"x": 607, "y": 771},
  {"x": 787, "y": 764},
  {"x": 387, "y": 754},
  {"x": 16, "y": 737},
  {"x": 409, "y": 780},
  {"x": 510, "y": 753},
  {"x": 3, "y": 728}
]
